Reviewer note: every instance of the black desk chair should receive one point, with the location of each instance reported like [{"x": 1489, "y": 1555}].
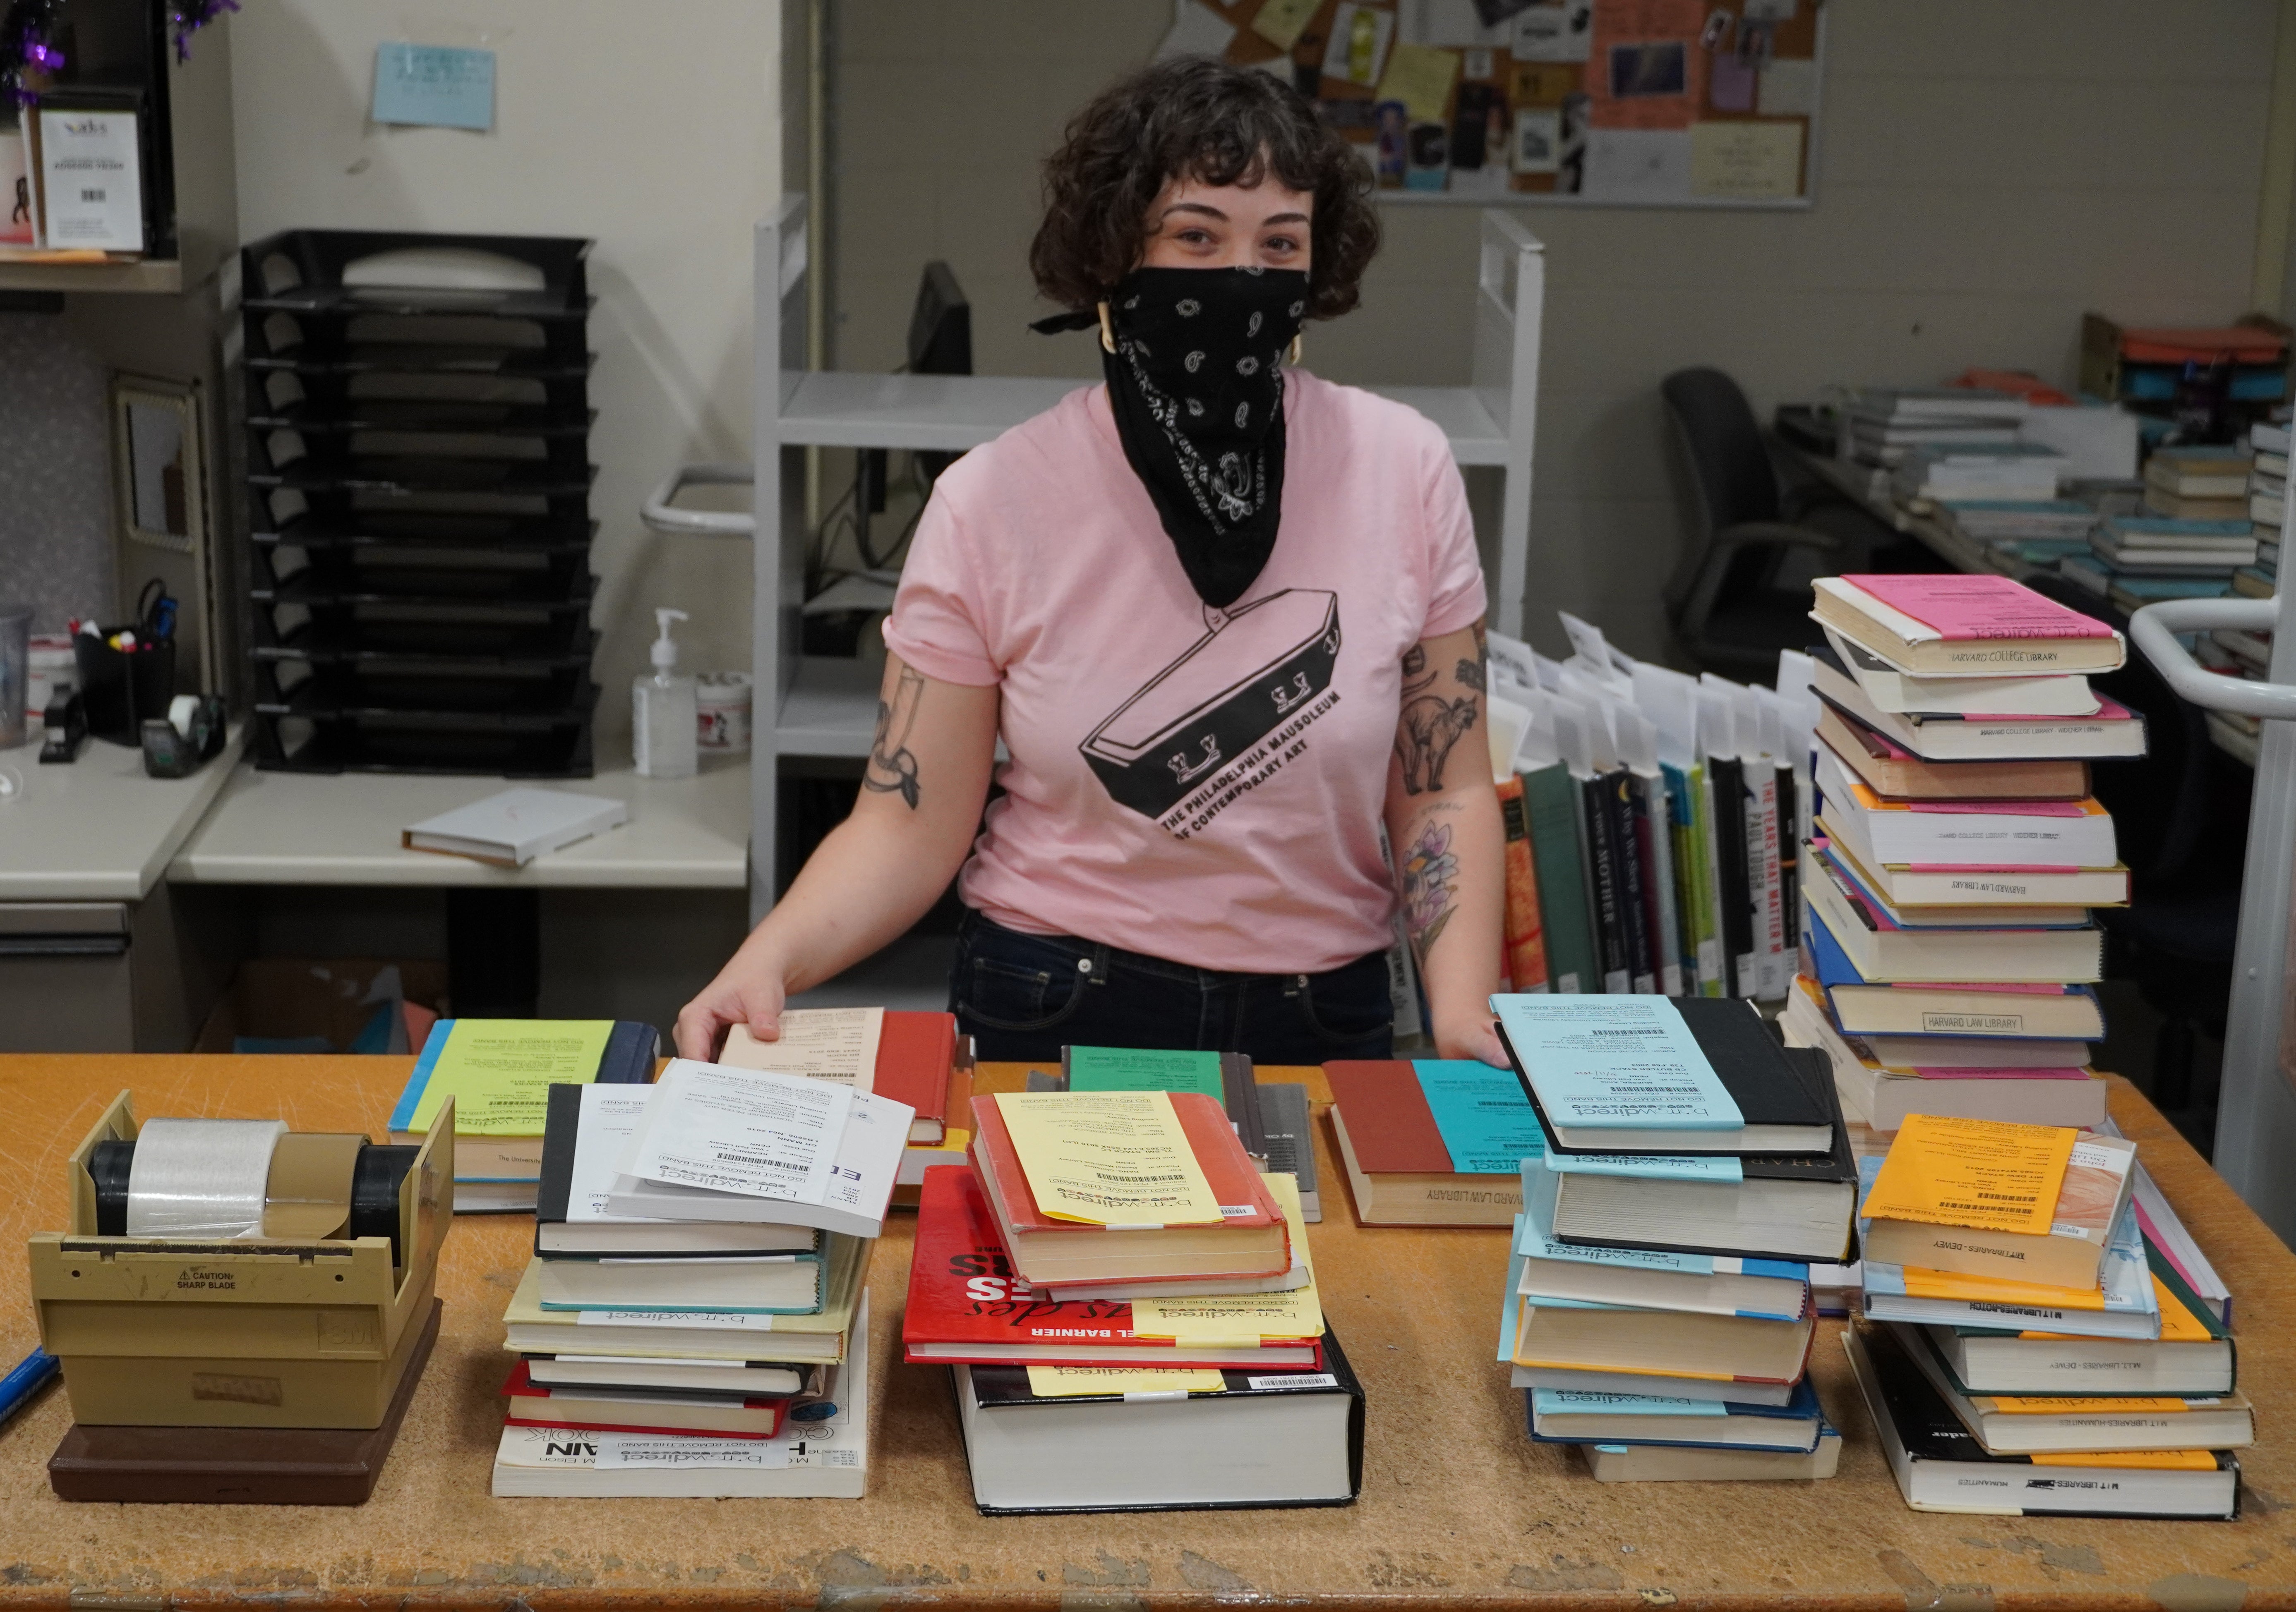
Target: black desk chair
[{"x": 1742, "y": 591}]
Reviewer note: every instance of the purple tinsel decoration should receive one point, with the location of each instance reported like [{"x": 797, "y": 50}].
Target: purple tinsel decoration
[{"x": 190, "y": 19}]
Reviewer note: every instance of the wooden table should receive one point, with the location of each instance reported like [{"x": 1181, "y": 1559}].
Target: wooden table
[{"x": 1457, "y": 1505}]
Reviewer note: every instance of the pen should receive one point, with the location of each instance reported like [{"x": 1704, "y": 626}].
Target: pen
[{"x": 29, "y": 1377}]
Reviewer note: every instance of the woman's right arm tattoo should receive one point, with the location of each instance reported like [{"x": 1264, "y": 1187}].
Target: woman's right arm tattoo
[{"x": 892, "y": 766}]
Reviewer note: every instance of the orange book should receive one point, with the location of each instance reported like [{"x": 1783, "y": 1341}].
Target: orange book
[
  {"x": 1251, "y": 1239},
  {"x": 1522, "y": 961}
]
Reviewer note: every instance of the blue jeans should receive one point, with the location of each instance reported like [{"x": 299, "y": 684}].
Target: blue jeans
[{"x": 1023, "y": 997}]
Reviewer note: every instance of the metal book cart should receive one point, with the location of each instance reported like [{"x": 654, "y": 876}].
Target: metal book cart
[
  {"x": 2256, "y": 1113},
  {"x": 813, "y": 707}
]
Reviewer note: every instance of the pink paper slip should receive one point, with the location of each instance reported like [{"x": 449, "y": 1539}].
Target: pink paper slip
[
  {"x": 1974, "y": 607},
  {"x": 2003, "y": 1074},
  {"x": 1991, "y": 808}
]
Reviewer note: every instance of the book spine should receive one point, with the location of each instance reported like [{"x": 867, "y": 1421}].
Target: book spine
[
  {"x": 1562, "y": 879},
  {"x": 1646, "y": 819},
  {"x": 1526, "y": 963},
  {"x": 1627, "y": 830},
  {"x": 1770, "y": 971},
  {"x": 1669, "y": 938},
  {"x": 1602, "y": 868},
  {"x": 1682, "y": 818},
  {"x": 1737, "y": 918},
  {"x": 1713, "y": 976}
]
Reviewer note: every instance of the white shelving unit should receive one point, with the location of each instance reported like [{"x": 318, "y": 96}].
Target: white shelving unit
[{"x": 828, "y": 708}]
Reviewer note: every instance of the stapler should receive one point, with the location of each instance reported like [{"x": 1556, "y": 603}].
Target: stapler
[{"x": 66, "y": 721}]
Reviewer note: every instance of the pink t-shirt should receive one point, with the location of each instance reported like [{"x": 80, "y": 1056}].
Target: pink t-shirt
[{"x": 1201, "y": 786}]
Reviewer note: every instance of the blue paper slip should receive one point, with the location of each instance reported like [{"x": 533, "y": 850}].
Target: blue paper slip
[
  {"x": 1486, "y": 1121},
  {"x": 1721, "y": 1167},
  {"x": 1580, "y": 1402},
  {"x": 434, "y": 85},
  {"x": 1616, "y": 1063}
]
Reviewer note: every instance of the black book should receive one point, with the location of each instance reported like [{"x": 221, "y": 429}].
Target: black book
[
  {"x": 1940, "y": 1467},
  {"x": 555, "y": 1238},
  {"x": 1794, "y": 1206},
  {"x": 1728, "y": 775},
  {"x": 1197, "y": 1451},
  {"x": 1624, "y": 803},
  {"x": 1781, "y": 1111},
  {"x": 1789, "y": 852},
  {"x": 1602, "y": 864}
]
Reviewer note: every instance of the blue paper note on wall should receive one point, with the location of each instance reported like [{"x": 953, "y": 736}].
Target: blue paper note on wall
[{"x": 435, "y": 85}]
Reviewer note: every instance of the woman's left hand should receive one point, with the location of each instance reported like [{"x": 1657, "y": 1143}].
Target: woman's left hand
[{"x": 1473, "y": 1035}]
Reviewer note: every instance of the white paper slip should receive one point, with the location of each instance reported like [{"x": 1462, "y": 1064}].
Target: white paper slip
[
  {"x": 754, "y": 1132},
  {"x": 826, "y": 1044},
  {"x": 1616, "y": 1063},
  {"x": 610, "y": 1116},
  {"x": 722, "y": 1321}
]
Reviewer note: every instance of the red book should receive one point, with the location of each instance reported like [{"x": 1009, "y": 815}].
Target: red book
[
  {"x": 1251, "y": 1239},
  {"x": 965, "y": 1303},
  {"x": 914, "y": 1053},
  {"x": 652, "y": 1411}
]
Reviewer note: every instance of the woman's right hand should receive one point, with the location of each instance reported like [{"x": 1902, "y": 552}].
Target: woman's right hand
[{"x": 748, "y": 990}]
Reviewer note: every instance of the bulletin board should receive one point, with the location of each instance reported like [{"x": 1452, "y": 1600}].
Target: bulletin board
[{"x": 1607, "y": 102}]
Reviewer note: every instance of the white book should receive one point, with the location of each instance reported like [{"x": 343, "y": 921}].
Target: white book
[
  {"x": 1902, "y": 693},
  {"x": 512, "y": 828},
  {"x": 1898, "y": 835},
  {"x": 827, "y": 1460}
]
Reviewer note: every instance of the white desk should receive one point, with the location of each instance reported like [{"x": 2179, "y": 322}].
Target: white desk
[
  {"x": 301, "y": 829},
  {"x": 97, "y": 830}
]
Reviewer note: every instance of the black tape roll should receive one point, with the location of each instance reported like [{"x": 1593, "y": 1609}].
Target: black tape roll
[{"x": 374, "y": 1188}]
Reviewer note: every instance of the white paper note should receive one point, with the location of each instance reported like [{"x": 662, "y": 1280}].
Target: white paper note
[
  {"x": 755, "y": 1132},
  {"x": 826, "y": 1044},
  {"x": 610, "y": 1116}
]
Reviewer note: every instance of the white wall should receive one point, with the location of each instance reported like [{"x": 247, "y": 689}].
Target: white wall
[
  {"x": 656, "y": 134},
  {"x": 1986, "y": 173}
]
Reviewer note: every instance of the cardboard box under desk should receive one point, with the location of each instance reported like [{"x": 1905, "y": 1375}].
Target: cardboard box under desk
[{"x": 270, "y": 1332}]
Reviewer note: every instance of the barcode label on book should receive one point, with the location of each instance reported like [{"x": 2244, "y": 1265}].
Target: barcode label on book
[
  {"x": 1237, "y": 1211},
  {"x": 1307, "y": 1379}
]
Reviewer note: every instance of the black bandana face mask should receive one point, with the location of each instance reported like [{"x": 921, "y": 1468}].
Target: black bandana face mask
[{"x": 1196, "y": 383}]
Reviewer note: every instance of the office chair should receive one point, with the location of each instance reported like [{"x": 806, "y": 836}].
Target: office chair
[{"x": 1741, "y": 592}]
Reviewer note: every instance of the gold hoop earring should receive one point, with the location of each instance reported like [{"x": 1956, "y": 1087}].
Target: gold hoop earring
[
  {"x": 1292, "y": 357},
  {"x": 1107, "y": 330}
]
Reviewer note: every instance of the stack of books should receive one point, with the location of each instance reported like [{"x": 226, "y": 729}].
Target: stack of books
[
  {"x": 1948, "y": 473},
  {"x": 694, "y": 1319},
  {"x": 1885, "y": 425},
  {"x": 2039, "y": 531},
  {"x": 2236, "y": 652},
  {"x": 1948, "y": 952},
  {"x": 1658, "y": 1312},
  {"x": 2158, "y": 545},
  {"x": 2004, "y": 1264},
  {"x": 2198, "y": 483},
  {"x": 2267, "y": 507},
  {"x": 1110, "y": 1274}
]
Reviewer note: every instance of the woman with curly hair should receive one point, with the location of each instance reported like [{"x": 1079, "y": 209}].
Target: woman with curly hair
[{"x": 1227, "y": 619}]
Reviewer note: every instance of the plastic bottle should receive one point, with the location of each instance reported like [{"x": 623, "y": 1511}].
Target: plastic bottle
[{"x": 662, "y": 718}]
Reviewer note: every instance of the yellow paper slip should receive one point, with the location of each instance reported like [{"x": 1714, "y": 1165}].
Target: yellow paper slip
[
  {"x": 1108, "y": 1158},
  {"x": 2177, "y": 1323},
  {"x": 2158, "y": 1461},
  {"x": 1994, "y": 1291},
  {"x": 499, "y": 1072},
  {"x": 1070, "y": 1382},
  {"x": 1421, "y": 77},
  {"x": 2030, "y": 1405},
  {"x": 1247, "y": 1320},
  {"x": 1280, "y": 21},
  {"x": 1979, "y": 1173}
]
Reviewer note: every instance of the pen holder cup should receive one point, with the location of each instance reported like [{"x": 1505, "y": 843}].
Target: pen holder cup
[{"x": 121, "y": 688}]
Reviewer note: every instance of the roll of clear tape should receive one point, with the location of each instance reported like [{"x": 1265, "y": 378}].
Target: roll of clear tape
[{"x": 201, "y": 1177}]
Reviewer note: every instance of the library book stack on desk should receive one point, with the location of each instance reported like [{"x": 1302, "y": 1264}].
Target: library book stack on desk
[
  {"x": 1948, "y": 953},
  {"x": 1658, "y": 1312},
  {"x": 2039, "y": 1336},
  {"x": 695, "y": 1321},
  {"x": 1126, "y": 1303}
]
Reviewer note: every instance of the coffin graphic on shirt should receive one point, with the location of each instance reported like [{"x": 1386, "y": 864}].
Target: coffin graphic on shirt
[{"x": 1263, "y": 663}]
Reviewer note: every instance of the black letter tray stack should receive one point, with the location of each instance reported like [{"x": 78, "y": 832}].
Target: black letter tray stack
[{"x": 419, "y": 500}]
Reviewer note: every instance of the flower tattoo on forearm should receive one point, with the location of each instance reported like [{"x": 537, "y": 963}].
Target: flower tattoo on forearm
[{"x": 1430, "y": 879}]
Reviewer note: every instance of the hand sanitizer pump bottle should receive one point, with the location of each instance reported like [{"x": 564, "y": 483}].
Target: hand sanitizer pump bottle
[{"x": 664, "y": 729}]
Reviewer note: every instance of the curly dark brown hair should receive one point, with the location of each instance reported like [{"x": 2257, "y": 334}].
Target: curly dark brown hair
[{"x": 1207, "y": 120}]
